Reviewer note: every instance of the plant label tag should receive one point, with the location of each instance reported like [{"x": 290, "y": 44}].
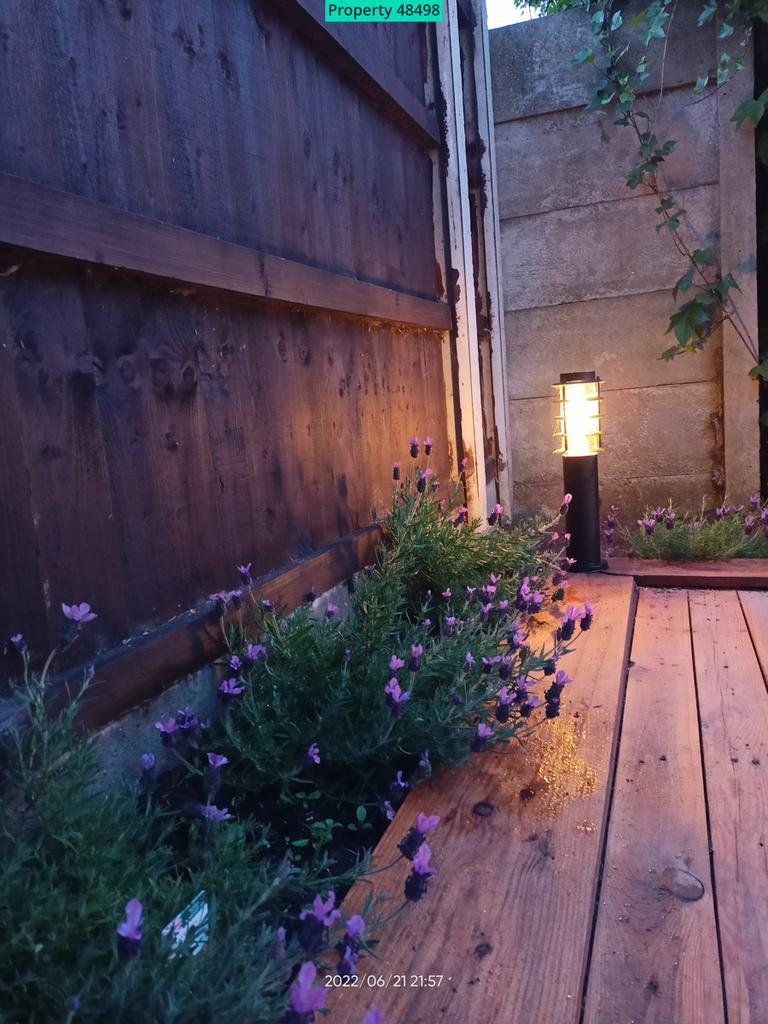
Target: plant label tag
[{"x": 191, "y": 922}]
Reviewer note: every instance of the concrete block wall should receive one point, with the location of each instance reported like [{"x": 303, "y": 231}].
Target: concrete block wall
[{"x": 587, "y": 278}]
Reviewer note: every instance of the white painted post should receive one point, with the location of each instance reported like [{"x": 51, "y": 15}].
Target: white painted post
[{"x": 461, "y": 273}]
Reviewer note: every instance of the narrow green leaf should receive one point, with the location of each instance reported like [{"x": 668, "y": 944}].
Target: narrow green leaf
[
  {"x": 584, "y": 57},
  {"x": 701, "y": 85}
]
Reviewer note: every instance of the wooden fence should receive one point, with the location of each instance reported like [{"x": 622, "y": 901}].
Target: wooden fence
[{"x": 235, "y": 277}]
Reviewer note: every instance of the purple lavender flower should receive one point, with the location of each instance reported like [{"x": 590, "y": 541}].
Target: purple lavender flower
[
  {"x": 414, "y": 661},
  {"x": 647, "y": 524},
  {"x": 395, "y": 663},
  {"x": 516, "y": 636},
  {"x": 311, "y": 596},
  {"x": 255, "y": 652},
  {"x": 411, "y": 842},
  {"x": 129, "y": 934},
  {"x": 504, "y": 706},
  {"x": 504, "y": 607},
  {"x": 426, "y": 623},
  {"x": 235, "y": 663},
  {"x": 481, "y": 737},
  {"x": 421, "y": 481},
  {"x": 396, "y": 698},
  {"x": 428, "y": 442},
  {"x": 388, "y": 810},
  {"x": 462, "y": 515},
  {"x": 236, "y": 597},
  {"x": 148, "y": 779},
  {"x": 447, "y": 594},
  {"x": 496, "y": 513},
  {"x": 267, "y": 605},
  {"x": 19, "y": 643},
  {"x": 658, "y": 513},
  {"x": 186, "y": 720},
  {"x": 755, "y": 501},
  {"x": 568, "y": 623},
  {"x": 490, "y": 663},
  {"x": 449, "y": 624},
  {"x": 167, "y": 730},
  {"x": 315, "y": 921},
  {"x": 749, "y": 525},
  {"x": 505, "y": 667},
  {"x": 414, "y": 442},
  {"x": 565, "y": 504},
  {"x": 305, "y": 997},
  {"x": 79, "y": 613},
  {"x": 348, "y": 946},
  {"x": 229, "y": 690},
  {"x": 425, "y": 764},
  {"x": 587, "y": 616},
  {"x": 396, "y": 471},
  {"x": 312, "y": 755},
  {"x": 416, "y": 883},
  {"x": 217, "y": 760},
  {"x": 245, "y": 574},
  {"x": 530, "y": 702},
  {"x": 209, "y": 812},
  {"x": 469, "y": 661},
  {"x": 220, "y": 599}
]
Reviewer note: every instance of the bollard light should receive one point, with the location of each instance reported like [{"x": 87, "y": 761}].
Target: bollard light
[{"x": 578, "y": 429}]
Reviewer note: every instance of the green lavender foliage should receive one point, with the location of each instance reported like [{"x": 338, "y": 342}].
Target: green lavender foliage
[
  {"x": 323, "y": 682},
  {"x": 72, "y": 856},
  {"x": 699, "y": 536}
]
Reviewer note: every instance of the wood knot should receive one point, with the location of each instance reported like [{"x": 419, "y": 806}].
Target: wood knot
[
  {"x": 483, "y": 809},
  {"x": 483, "y": 949},
  {"x": 681, "y": 883}
]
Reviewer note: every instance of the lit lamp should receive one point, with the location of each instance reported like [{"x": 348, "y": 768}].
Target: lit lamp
[{"x": 579, "y": 433}]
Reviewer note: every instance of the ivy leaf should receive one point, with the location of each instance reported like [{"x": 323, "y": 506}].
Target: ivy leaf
[
  {"x": 669, "y": 353},
  {"x": 583, "y": 57},
  {"x": 690, "y": 322},
  {"x": 760, "y": 372},
  {"x": 616, "y": 21},
  {"x": 701, "y": 85},
  {"x": 727, "y": 285},
  {"x": 637, "y": 21},
  {"x": 752, "y": 109},
  {"x": 707, "y": 13},
  {"x": 597, "y": 21},
  {"x": 684, "y": 284},
  {"x": 726, "y": 29},
  {"x": 704, "y": 257}
]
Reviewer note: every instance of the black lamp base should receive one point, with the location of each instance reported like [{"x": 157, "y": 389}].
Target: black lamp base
[{"x": 582, "y": 520}]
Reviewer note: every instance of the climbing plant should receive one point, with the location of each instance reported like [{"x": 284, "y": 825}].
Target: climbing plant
[{"x": 623, "y": 53}]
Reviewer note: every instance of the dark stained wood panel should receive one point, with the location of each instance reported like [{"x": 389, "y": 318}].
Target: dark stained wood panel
[
  {"x": 219, "y": 117},
  {"x": 61, "y": 223},
  {"x": 362, "y": 57},
  {"x": 508, "y": 916},
  {"x": 159, "y": 438}
]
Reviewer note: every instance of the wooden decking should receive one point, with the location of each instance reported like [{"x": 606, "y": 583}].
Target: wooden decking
[{"x": 614, "y": 869}]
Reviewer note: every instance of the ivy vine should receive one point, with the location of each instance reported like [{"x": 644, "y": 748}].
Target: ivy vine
[{"x": 706, "y": 294}]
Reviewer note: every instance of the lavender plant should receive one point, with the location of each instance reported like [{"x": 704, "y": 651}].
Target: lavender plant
[
  {"x": 354, "y": 708},
  {"x": 664, "y": 532}
]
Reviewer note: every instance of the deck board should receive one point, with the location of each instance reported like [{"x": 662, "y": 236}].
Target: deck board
[
  {"x": 754, "y": 605},
  {"x": 655, "y": 954},
  {"x": 734, "y": 720},
  {"x": 508, "y": 918}
]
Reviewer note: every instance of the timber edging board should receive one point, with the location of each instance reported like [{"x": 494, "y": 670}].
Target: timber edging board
[
  {"x": 49, "y": 220},
  {"x": 141, "y": 668},
  {"x": 727, "y": 574}
]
